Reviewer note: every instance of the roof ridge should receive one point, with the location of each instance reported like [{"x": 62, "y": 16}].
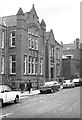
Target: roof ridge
[{"x": 8, "y": 16}]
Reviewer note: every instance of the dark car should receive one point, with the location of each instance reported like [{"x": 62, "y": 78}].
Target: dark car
[{"x": 51, "y": 86}]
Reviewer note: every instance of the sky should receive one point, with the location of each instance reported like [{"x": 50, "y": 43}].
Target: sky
[{"x": 62, "y": 16}]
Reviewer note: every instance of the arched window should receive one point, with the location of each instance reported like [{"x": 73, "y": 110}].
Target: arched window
[{"x": 33, "y": 37}]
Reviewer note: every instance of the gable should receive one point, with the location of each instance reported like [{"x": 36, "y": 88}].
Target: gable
[
  {"x": 33, "y": 18},
  {"x": 51, "y": 38}
]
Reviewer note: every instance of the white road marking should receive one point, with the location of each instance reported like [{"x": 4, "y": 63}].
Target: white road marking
[
  {"x": 62, "y": 108},
  {"x": 5, "y": 115},
  {"x": 67, "y": 109},
  {"x": 71, "y": 106}
]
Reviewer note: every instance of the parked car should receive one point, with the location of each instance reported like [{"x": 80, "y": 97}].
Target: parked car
[
  {"x": 51, "y": 86},
  {"x": 68, "y": 84},
  {"x": 80, "y": 81},
  {"x": 7, "y": 95},
  {"x": 76, "y": 81}
]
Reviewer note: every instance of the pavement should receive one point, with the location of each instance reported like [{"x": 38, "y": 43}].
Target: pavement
[
  {"x": 26, "y": 93},
  {"x": 33, "y": 92}
]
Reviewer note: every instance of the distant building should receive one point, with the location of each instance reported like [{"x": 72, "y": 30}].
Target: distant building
[
  {"x": 23, "y": 49},
  {"x": 71, "y": 60}
]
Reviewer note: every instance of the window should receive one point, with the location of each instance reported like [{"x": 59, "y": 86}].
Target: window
[
  {"x": 29, "y": 40},
  {"x": 33, "y": 65},
  {"x": 41, "y": 62},
  {"x": 32, "y": 43},
  {"x": 2, "y": 39},
  {"x": 30, "y": 64},
  {"x": 2, "y": 65},
  {"x": 13, "y": 64},
  {"x": 57, "y": 53},
  {"x": 58, "y": 70},
  {"x": 29, "y": 30},
  {"x": 33, "y": 37},
  {"x": 13, "y": 38},
  {"x": 52, "y": 54},
  {"x": 36, "y": 65},
  {"x": 24, "y": 64},
  {"x": 36, "y": 43}
]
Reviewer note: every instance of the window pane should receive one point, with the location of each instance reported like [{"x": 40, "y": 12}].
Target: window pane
[{"x": 13, "y": 34}]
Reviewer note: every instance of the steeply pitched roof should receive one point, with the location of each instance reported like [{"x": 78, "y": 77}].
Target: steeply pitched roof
[
  {"x": 47, "y": 35},
  {"x": 9, "y": 20},
  {"x": 20, "y": 11},
  {"x": 33, "y": 9},
  {"x": 43, "y": 23}
]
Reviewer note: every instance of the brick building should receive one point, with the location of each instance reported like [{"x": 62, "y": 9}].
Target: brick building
[
  {"x": 81, "y": 38},
  {"x": 71, "y": 60},
  {"x": 22, "y": 50},
  {"x": 53, "y": 57}
]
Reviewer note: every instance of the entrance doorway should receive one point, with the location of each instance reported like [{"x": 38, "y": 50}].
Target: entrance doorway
[{"x": 52, "y": 72}]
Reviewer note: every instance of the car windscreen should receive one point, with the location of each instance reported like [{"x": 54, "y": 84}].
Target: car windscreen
[{"x": 48, "y": 84}]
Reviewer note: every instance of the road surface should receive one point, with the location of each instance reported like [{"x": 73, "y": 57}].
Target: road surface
[{"x": 62, "y": 104}]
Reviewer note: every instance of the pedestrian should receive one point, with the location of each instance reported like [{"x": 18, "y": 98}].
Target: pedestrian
[
  {"x": 22, "y": 86},
  {"x": 29, "y": 86}
]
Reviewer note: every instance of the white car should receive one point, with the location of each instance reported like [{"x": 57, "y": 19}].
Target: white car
[
  {"x": 68, "y": 84},
  {"x": 76, "y": 81},
  {"x": 7, "y": 95}
]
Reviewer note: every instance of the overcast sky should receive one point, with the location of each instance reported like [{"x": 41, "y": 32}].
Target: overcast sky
[{"x": 62, "y": 16}]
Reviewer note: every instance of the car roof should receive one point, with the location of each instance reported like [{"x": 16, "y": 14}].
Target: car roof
[{"x": 3, "y": 85}]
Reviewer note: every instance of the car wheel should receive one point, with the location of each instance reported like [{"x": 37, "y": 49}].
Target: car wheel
[
  {"x": 1, "y": 103},
  {"x": 52, "y": 90},
  {"x": 41, "y": 92},
  {"x": 16, "y": 99}
]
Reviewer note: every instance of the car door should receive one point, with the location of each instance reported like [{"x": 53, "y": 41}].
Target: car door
[{"x": 8, "y": 93}]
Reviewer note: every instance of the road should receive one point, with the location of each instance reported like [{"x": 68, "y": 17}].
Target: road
[{"x": 62, "y": 104}]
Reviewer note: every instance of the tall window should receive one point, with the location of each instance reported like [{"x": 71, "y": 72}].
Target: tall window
[
  {"x": 33, "y": 37},
  {"x": 13, "y": 38},
  {"x": 29, "y": 30},
  {"x": 33, "y": 43},
  {"x": 13, "y": 63},
  {"x": 24, "y": 64},
  {"x": 58, "y": 70},
  {"x": 41, "y": 62},
  {"x": 33, "y": 65},
  {"x": 57, "y": 53},
  {"x": 36, "y": 43},
  {"x": 29, "y": 40},
  {"x": 2, "y": 39},
  {"x": 52, "y": 54},
  {"x": 30, "y": 59},
  {"x": 2, "y": 65},
  {"x": 36, "y": 65}
]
